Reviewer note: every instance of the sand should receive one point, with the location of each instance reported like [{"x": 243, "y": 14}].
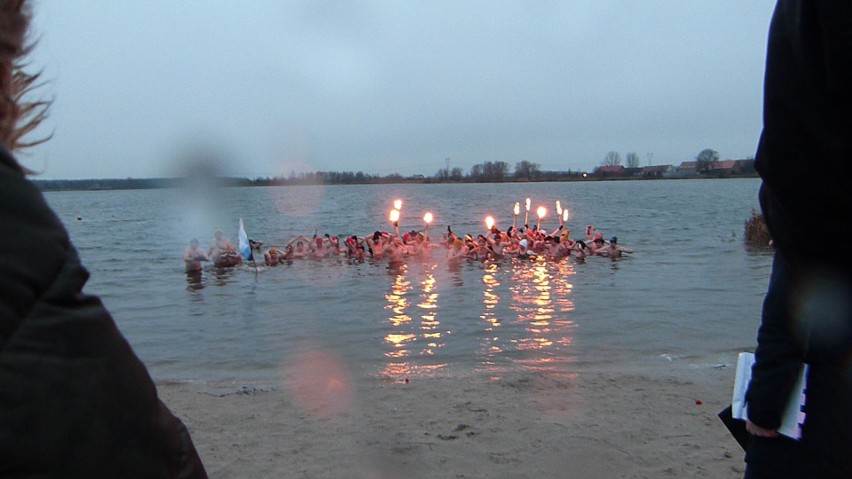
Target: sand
[{"x": 603, "y": 424}]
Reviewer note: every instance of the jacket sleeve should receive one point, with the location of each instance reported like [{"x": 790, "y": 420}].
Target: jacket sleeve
[
  {"x": 75, "y": 401},
  {"x": 779, "y": 354}
]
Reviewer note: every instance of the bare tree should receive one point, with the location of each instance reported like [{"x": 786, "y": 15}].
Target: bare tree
[
  {"x": 611, "y": 159},
  {"x": 632, "y": 160},
  {"x": 527, "y": 169}
]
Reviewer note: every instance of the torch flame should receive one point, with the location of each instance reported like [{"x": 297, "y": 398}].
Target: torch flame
[
  {"x": 517, "y": 208},
  {"x": 489, "y": 222},
  {"x": 394, "y": 216},
  {"x": 541, "y": 212},
  {"x": 528, "y": 204},
  {"x": 397, "y": 204},
  {"x": 427, "y": 218},
  {"x": 565, "y": 215},
  {"x": 558, "y": 208}
]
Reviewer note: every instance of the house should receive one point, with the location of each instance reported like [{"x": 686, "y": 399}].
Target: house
[
  {"x": 724, "y": 168},
  {"x": 685, "y": 170},
  {"x": 657, "y": 171},
  {"x": 745, "y": 167},
  {"x": 614, "y": 171}
]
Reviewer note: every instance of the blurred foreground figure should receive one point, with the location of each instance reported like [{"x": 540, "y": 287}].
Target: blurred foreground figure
[
  {"x": 804, "y": 159},
  {"x": 74, "y": 399}
]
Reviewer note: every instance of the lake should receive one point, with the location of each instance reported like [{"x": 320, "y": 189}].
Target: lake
[{"x": 689, "y": 295}]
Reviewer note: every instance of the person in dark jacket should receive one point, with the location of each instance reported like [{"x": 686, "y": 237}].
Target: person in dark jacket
[
  {"x": 804, "y": 159},
  {"x": 75, "y": 401}
]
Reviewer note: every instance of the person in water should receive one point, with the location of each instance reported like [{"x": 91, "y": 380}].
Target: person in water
[
  {"x": 193, "y": 256},
  {"x": 614, "y": 250},
  {"x": 222, "y": 250},
  {"x": 274, "y": 256}
]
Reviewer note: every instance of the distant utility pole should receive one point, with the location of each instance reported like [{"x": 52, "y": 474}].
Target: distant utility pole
[
  {"x": 447, "y": 171},
  {"x": 650, "y": 156}
]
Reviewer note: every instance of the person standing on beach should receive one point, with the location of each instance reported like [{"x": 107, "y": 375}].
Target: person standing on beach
[
  {"x": 803, "y": 159},
  {"x": 75, "y": 401}
]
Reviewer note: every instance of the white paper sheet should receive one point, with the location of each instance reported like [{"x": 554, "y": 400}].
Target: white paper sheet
[{"x": 794, "y": 416}]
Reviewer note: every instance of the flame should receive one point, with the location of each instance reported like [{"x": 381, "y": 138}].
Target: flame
[
  {"x": 394, "y": 216},
  {"x": 397, "y": 204},
  {"x": 427, "y": 218},
  {"x": 489, "y": 222},
  {"x": 558, "y": 208},
  {"x": 541, "y": 211},
  {"x": 528, "y": 204},
  {"x": 565, "y": 215},
  {"x": 517, "y": 208}
]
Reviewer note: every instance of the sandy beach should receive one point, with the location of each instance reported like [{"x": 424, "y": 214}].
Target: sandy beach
[{"x": 322, "y": 424}]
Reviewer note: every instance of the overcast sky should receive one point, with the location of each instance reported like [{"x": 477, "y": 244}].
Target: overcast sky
[{"x": 266, "y": 88}]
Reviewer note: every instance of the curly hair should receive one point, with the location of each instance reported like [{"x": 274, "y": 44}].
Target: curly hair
[{"x": 17, "y": 116}]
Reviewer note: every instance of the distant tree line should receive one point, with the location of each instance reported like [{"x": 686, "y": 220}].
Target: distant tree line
[{"x": 487, "y": 172}]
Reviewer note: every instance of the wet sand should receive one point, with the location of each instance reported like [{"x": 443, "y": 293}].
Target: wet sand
[{"x": 638, "y": 424}]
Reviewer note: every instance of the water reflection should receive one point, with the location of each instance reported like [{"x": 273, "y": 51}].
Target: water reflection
[
  {"x": 543, "y": 306},
  {"x": 404, "y": 333},
  {"x": 429, "y": 322},
  {"x": 400, "y": 335},
  {"x": 490, "y": 302},
  {"x": 193, "y": 281},
  {"x": 523, "y": 318}
]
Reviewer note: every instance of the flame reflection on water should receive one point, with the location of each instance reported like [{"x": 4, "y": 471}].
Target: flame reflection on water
[{"x": 538, "y": 307}]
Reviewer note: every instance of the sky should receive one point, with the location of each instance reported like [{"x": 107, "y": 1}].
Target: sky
[{"x": 271, "y": 88}]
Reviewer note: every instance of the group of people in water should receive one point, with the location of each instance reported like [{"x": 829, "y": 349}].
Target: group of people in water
[{"x": 523, "y": 242}]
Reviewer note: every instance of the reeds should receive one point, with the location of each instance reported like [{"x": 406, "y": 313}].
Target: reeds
[{"x": 756, "y": 231}]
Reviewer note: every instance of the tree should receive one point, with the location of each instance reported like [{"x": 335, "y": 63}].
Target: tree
[
  {"x": 706, "y": 159},
  {"x": 611, "y": 159},
  {"x": 527, "y": 169},
  {"x": 456, "y": 173},
  {"x": 632, "y": 160},
  {"x": 490, "y": 171}
]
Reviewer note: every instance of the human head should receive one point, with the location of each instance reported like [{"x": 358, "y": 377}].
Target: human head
[
  {"x": 14, "y": 82},
  {"x": 613, "y": 240}
]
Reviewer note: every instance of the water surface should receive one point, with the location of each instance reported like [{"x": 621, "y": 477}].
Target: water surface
[{"x": 690, "y": 293}]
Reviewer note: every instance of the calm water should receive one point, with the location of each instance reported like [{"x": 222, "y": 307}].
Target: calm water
[{"x": 690, "y": 294}]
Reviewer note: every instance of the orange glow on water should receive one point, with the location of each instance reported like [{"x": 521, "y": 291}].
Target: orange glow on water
[{"x": 524, "y": 317}]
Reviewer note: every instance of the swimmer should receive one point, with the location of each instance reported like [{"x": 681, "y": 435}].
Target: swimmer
[
  {"x": 274, "y": 256},
  {"x": 193, "y": 256},
  {"x": 223, "y": 252},
  {"x": 614, "y": 250},
  {"x": 377, "y": 244}
]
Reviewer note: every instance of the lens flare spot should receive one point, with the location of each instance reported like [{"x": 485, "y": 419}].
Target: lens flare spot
[{"x": 320, "y": 383}]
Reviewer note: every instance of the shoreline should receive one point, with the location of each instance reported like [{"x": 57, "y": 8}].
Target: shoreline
[{"x": 657, "y": 422}]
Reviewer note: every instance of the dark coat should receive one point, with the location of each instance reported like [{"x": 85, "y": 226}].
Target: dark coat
[
  {"x": 804, "y": 160},
  {"x": 75, "y": 401}
]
